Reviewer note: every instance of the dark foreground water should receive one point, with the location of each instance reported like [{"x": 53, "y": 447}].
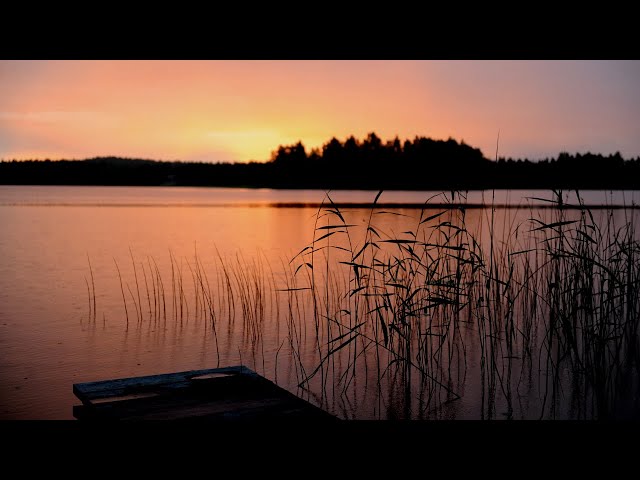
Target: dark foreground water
[{"x": 106, "y": 282}]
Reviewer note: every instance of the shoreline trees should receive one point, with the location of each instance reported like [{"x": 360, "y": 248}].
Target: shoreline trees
[{"x": 412, "y": 164}]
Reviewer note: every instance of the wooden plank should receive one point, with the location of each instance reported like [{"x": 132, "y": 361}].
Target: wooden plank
[
  {"x": 259, "y": 409},
  {"x": 90, "y": 391},
  {"x": 214, "y": 410},
  {"x": 212, "y": 394}
]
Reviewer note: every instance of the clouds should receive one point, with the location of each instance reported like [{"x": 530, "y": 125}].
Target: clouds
[
  {"x": 52, "y": 134},
  {"x": 242, "y": 110}
]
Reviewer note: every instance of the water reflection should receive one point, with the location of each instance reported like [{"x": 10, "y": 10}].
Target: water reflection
[{"x": 487, "y": 333}]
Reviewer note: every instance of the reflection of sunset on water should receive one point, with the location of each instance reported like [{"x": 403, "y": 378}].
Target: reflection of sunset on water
[{"x": 63, "y": 320}]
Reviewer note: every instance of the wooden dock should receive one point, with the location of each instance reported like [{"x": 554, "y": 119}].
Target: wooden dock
[{"x": 231, "y": 393}]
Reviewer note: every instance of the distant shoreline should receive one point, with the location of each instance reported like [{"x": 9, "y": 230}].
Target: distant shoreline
[
  {"x": 458, "y": 168},
  {"x": 344, "y": 205},
  {"x": 346, "y": 189}
]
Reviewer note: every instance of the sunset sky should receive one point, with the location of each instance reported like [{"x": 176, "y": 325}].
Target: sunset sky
[{"x": 242, "y": 110}]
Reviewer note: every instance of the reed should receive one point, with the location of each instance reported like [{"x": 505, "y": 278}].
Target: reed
[
  {"x": 135, "y": 273},
  {"x": 93, "y": 289},
  {"x": 417, "y": 312},
  {"x": 89, "y": 316},
  {"x": 414, "y": 297},
  {"x": 124, "y": 300}
]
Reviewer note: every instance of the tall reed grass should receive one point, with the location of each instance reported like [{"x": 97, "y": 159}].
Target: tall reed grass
[
  {"x": 533, "y": 318},
  {"x": 552, "y": 298}
]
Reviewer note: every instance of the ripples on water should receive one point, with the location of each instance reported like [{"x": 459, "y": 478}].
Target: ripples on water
[{"x": 217, "y": 286}]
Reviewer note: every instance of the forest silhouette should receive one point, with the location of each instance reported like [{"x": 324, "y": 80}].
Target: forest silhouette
[{"x": 369, "y": 164}]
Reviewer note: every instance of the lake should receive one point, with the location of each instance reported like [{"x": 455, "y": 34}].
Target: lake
[{"x": 108, "y": 282}]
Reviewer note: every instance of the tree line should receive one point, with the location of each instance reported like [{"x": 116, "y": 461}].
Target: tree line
[{"x": 418, "y": 164}]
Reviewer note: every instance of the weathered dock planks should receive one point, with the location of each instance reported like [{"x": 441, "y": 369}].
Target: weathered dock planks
[{"x": 230, "y": 393}]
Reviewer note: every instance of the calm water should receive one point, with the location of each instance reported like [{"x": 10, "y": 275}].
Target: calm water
[{"x": 50, "y": 336}]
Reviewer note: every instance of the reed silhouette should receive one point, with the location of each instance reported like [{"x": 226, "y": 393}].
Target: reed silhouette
[{"x": 537, "y": 318}]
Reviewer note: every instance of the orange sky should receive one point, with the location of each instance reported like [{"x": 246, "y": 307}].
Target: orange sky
[{"x": 242, "y": 110}]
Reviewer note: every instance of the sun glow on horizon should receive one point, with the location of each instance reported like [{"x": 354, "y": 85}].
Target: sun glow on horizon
[{"x": 226, "y": 111}]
